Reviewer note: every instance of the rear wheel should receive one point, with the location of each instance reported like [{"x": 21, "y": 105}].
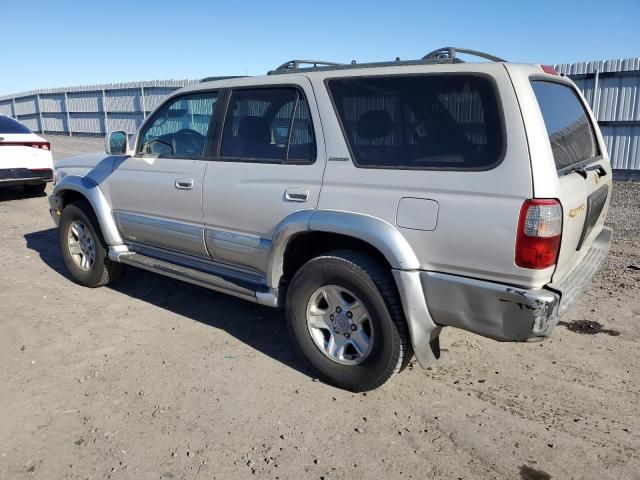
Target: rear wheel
[
  {"x": 346, "y": 320},
  {"x": 36, "y": 189},
  {"x": 83, "y": 249}
]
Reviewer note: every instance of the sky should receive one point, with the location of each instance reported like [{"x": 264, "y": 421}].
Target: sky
[{"x": 64, "y": 43}]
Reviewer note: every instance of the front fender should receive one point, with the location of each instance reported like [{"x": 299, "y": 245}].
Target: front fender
[{"x": 91, "y": 191}]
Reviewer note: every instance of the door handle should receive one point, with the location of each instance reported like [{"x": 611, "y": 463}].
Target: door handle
[
  {"x": 296, "y": 194},
  {"x": 184, "y": 183}
]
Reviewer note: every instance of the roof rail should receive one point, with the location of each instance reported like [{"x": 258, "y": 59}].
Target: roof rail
[
  {"x": 440, "y": 56},
  {"x": 294, "y": 64},
  {"x": 213, "y": 79},
  {"x": 449, "y": 53}
]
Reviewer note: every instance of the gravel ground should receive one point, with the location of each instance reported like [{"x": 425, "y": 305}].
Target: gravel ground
[{"x": 158, "y": 379}]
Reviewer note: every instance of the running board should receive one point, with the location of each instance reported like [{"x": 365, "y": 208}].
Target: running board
[{"x": 245, "y": 290}]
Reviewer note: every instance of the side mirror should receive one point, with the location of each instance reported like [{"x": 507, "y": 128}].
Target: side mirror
[{"x": 116, "y": 143}]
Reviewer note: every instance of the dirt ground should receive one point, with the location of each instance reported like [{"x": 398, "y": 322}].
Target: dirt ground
[{"x": 157, "y": 379}]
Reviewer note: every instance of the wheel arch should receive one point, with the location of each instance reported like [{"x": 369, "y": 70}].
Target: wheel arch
[
  {"x": 323, "y": 230},
  {"x": 72, "y": 187}
]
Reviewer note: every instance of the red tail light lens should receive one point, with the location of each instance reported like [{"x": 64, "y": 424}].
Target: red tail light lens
[
  {"x": 40, "y": 145},
  {"x": 539, "y": 233},
  {"x": 549, "y": 70}
]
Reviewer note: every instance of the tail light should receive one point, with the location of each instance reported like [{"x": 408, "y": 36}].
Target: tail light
[
  {"x": 549, "y": 70},
  {"x": 40, "y": 145},
  {"x": 539, "y": 233}
]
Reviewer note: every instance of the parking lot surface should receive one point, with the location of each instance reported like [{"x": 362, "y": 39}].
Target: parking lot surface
[{"x": 157, "y": 379}]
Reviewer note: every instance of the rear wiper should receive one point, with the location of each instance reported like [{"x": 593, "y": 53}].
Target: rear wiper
[{"x": 584, "y": 171}]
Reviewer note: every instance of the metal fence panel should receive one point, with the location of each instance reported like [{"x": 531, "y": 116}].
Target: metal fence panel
[
  {"x": 612, "y": 88},
  {"x": 6, "y": 108},
  {"x": 52, "y": 102},
  {"x": 92, "y": 123},
  {"x": 31, "y": 122},
  {"x": 623, "y": 144},
  {"x": 89, "y": 102},
  {"x": 55, "y": 122},
  {"x": 123, "y": 100},
  {"x": 26, "y": 105}
]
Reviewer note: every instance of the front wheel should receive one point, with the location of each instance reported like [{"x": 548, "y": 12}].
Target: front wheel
[
  {"x": 346, "y": 320},
  {"x": 83, "y": 249}
]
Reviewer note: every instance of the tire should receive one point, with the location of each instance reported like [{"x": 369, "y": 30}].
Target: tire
[
  {"x": 101, "y": 271},
  {"x": 354, "y": 275},
  {"x": 37, "y": 189}
]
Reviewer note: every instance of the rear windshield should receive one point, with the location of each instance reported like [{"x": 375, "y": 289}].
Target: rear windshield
[
  {"x": 9, "y": 125},
  {"x": 568, "y": 126},
  {"x": 439, "y": 121}
]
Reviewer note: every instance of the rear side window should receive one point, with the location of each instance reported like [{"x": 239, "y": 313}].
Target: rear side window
[
  {"x": 438, "y": 121},
  {"x": 568, "y": 126},
  {"x": 268, "y": 125},
  {"x": 9, "y": 125}
]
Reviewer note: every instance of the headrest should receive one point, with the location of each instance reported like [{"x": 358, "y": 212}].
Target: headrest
[{"x": 374, "y": 124}]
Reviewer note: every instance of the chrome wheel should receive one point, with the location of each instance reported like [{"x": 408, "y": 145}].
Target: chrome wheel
[
  {"x": 340, "y": 325},
  {"x": 82, "y": 245}
]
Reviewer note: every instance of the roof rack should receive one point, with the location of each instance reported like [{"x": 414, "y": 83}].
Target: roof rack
[
  {"x": 449, "y": 53},
  {"x": 295, "y": 64},
  {"x": 439, "y": 56},
  {"x": 213, "y": 79}
]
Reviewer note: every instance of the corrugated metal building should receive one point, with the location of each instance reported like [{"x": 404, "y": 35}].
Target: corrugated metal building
[{"x": 612, "y": 88}]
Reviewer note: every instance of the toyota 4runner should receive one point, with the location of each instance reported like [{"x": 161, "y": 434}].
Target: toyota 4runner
[{"x": 377, "y": 203}]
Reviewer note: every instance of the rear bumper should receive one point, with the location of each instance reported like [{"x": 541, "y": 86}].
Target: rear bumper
[
  {"x": 577, "y": 280},
  {"x": 504, "y": 312},
  {"x": 24, "y": 176}
]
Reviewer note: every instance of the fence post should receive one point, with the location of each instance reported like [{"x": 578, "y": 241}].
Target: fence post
[
  {"x": 13, "y": 104},
  {"x": 40, "y": 113},
  {"x": 104, "y": 106},
  {"x": 66, "y": 109},
  {"x": 596, "y": 98}
]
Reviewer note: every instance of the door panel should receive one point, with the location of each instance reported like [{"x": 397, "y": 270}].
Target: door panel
[
  {"x": 150, "y": 208},
  {"x": 245, "y": 199},
  {"x": 157, "y": 194}
]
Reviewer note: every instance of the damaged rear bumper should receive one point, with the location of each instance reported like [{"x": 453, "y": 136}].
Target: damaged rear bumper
[
  {"x": 501, "y": 312},
  {"x": 505, "y": 312}
]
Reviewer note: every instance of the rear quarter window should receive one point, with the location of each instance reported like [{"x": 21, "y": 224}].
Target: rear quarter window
[
  {"x": 568, "y": 126},
  {"x": 9, "y": 125},
  {"x": 437, "y": 121}
]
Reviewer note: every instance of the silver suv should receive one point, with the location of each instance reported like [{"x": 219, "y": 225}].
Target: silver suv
[{"x": 376, "y": 203}]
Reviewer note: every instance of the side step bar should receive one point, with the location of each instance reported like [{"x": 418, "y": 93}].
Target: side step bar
[{"x": 245, "y": 290}]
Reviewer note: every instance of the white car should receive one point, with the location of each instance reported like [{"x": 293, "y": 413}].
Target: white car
[{"x": 25, "y": 158}]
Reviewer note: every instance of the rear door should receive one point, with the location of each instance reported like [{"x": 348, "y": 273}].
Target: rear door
[
  {"x": 581, "y": 165},
  {"x": 267, "y": 165}
]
